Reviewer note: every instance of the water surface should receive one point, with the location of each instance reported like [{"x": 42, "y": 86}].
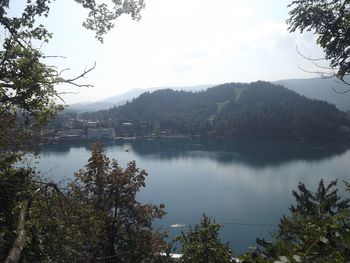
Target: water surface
[{"x": 244, "y": 185}]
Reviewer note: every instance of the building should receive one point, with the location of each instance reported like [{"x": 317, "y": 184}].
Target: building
[
  {"x": 91, "y": 124},
  {"x": 101, "y": 134},
  {"x": 71, "y": 134}
]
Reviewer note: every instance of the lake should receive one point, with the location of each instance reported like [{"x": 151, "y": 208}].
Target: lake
[{"x": 245, "y": 185}]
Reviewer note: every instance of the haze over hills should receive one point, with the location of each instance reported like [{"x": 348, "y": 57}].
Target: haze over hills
[
  {"x": 256, "y": 110},
  {"x": 313, "y": 88},
  {"x": 322, "y": 89}
]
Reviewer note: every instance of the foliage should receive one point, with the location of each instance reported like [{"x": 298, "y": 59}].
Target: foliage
[
  {"x": 330, "y": 21},
  {"x": 97, "y": 217},
  {"x": 256, "y": 110},
  {"x": 28, "y": 99},
  {"x": 16, "y": 185},
  {"x": 319, "y": 224},
  {"x": 202, "y": 243},
  {"x": 116, "y": 224},
  {"x": 318, "y": 229},
  {"x": 101, "y": 15},
  {"x": 27, "y": 83}
]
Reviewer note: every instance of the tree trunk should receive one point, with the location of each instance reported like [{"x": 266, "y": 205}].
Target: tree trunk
[{"x": 18, "y": 245}]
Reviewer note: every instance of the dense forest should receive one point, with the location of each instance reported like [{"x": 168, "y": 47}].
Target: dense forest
[{"x": 256, "y": 110}]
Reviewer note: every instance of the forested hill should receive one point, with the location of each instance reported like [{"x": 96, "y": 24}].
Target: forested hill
[{"x": 256, "y": 110}]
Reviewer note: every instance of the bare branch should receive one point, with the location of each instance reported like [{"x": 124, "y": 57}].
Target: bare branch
[
  {"x": 309, "y": 57},
  {"x": 67, "y": 92},
  {"x": 314, "y": 60},
  {"x": 86, "y": 71},
  {"x": 320, "y": 73},
  {"x": 52, "y": 56},
  {"x": 330, "y": 73},
  {"x": 79, "y": 85},
  {"x": 59, "y": 96},
  {"x": 341, "y": 92}
]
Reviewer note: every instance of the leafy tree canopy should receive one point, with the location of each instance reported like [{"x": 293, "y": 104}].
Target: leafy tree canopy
[
  {"x": 97, "y": 217},
  {"x": 317, "y": 230},
  {"x": 28, "y": 99},
  {"x": 330, "y": 21},
  {"x": 117, "y": 224},
  {"x": 27, "y": 83},
  {"x": 202, "y": 243}
]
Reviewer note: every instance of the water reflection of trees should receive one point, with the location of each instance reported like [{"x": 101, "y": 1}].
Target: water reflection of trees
[
  {"x": 250, "y": 152},
  {"x": 256, "y": 153},
  {"x": 61, "y": 149}
]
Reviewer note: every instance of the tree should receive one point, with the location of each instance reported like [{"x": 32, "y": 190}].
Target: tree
[
  {"x": 330, "y": 21},
  {"x": 27, "y": 83},
  {"x": 15, "y": 187},
  {"x": 317, "y": 230},
  {"x": 202, "y": 244},
  {"x": 114, "y": 223},
  {"x": 28, "y": 100},
  {"x": 319, "y": 226},
  {"x": 96, "y": 218}
]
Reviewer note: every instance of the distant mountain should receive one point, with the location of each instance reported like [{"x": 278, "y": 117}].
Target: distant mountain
[
  {"x": 89, "y": 106},
  {"x": 321, "y": 89},
  {"x": 256, "y": 110},
  {"x": 312, "y": 88},
  {"x": 123, "y": 98},
  {"x": 106, "y": 103}
]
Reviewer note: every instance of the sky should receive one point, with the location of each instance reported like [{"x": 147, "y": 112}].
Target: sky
[{"x": 178, "y": 43}]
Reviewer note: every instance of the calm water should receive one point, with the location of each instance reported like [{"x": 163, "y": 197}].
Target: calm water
[{"x": 245, "y": 185}]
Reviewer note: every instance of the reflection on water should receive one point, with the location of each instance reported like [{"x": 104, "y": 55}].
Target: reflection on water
[
  {"x": 252, "y": 153},
  {"x": 245, "y": 184}
]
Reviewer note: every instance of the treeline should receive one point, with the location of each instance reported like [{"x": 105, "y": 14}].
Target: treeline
[{"x": 256, "y": 110}]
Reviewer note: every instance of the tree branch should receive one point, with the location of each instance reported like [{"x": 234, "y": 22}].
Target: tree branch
[
  {"x": 71, "y": 81},
  {"x": 19, "y": 243}
]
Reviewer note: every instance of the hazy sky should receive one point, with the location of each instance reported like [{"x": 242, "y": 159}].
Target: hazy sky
[{"x": 179, "y": 43}]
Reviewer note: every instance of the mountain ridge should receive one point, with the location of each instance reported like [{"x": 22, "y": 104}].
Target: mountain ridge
[
  {"x": 122, "y": 98},
  {"x": 256, "y": 110},
  {"x": 313, "y": 88}
]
